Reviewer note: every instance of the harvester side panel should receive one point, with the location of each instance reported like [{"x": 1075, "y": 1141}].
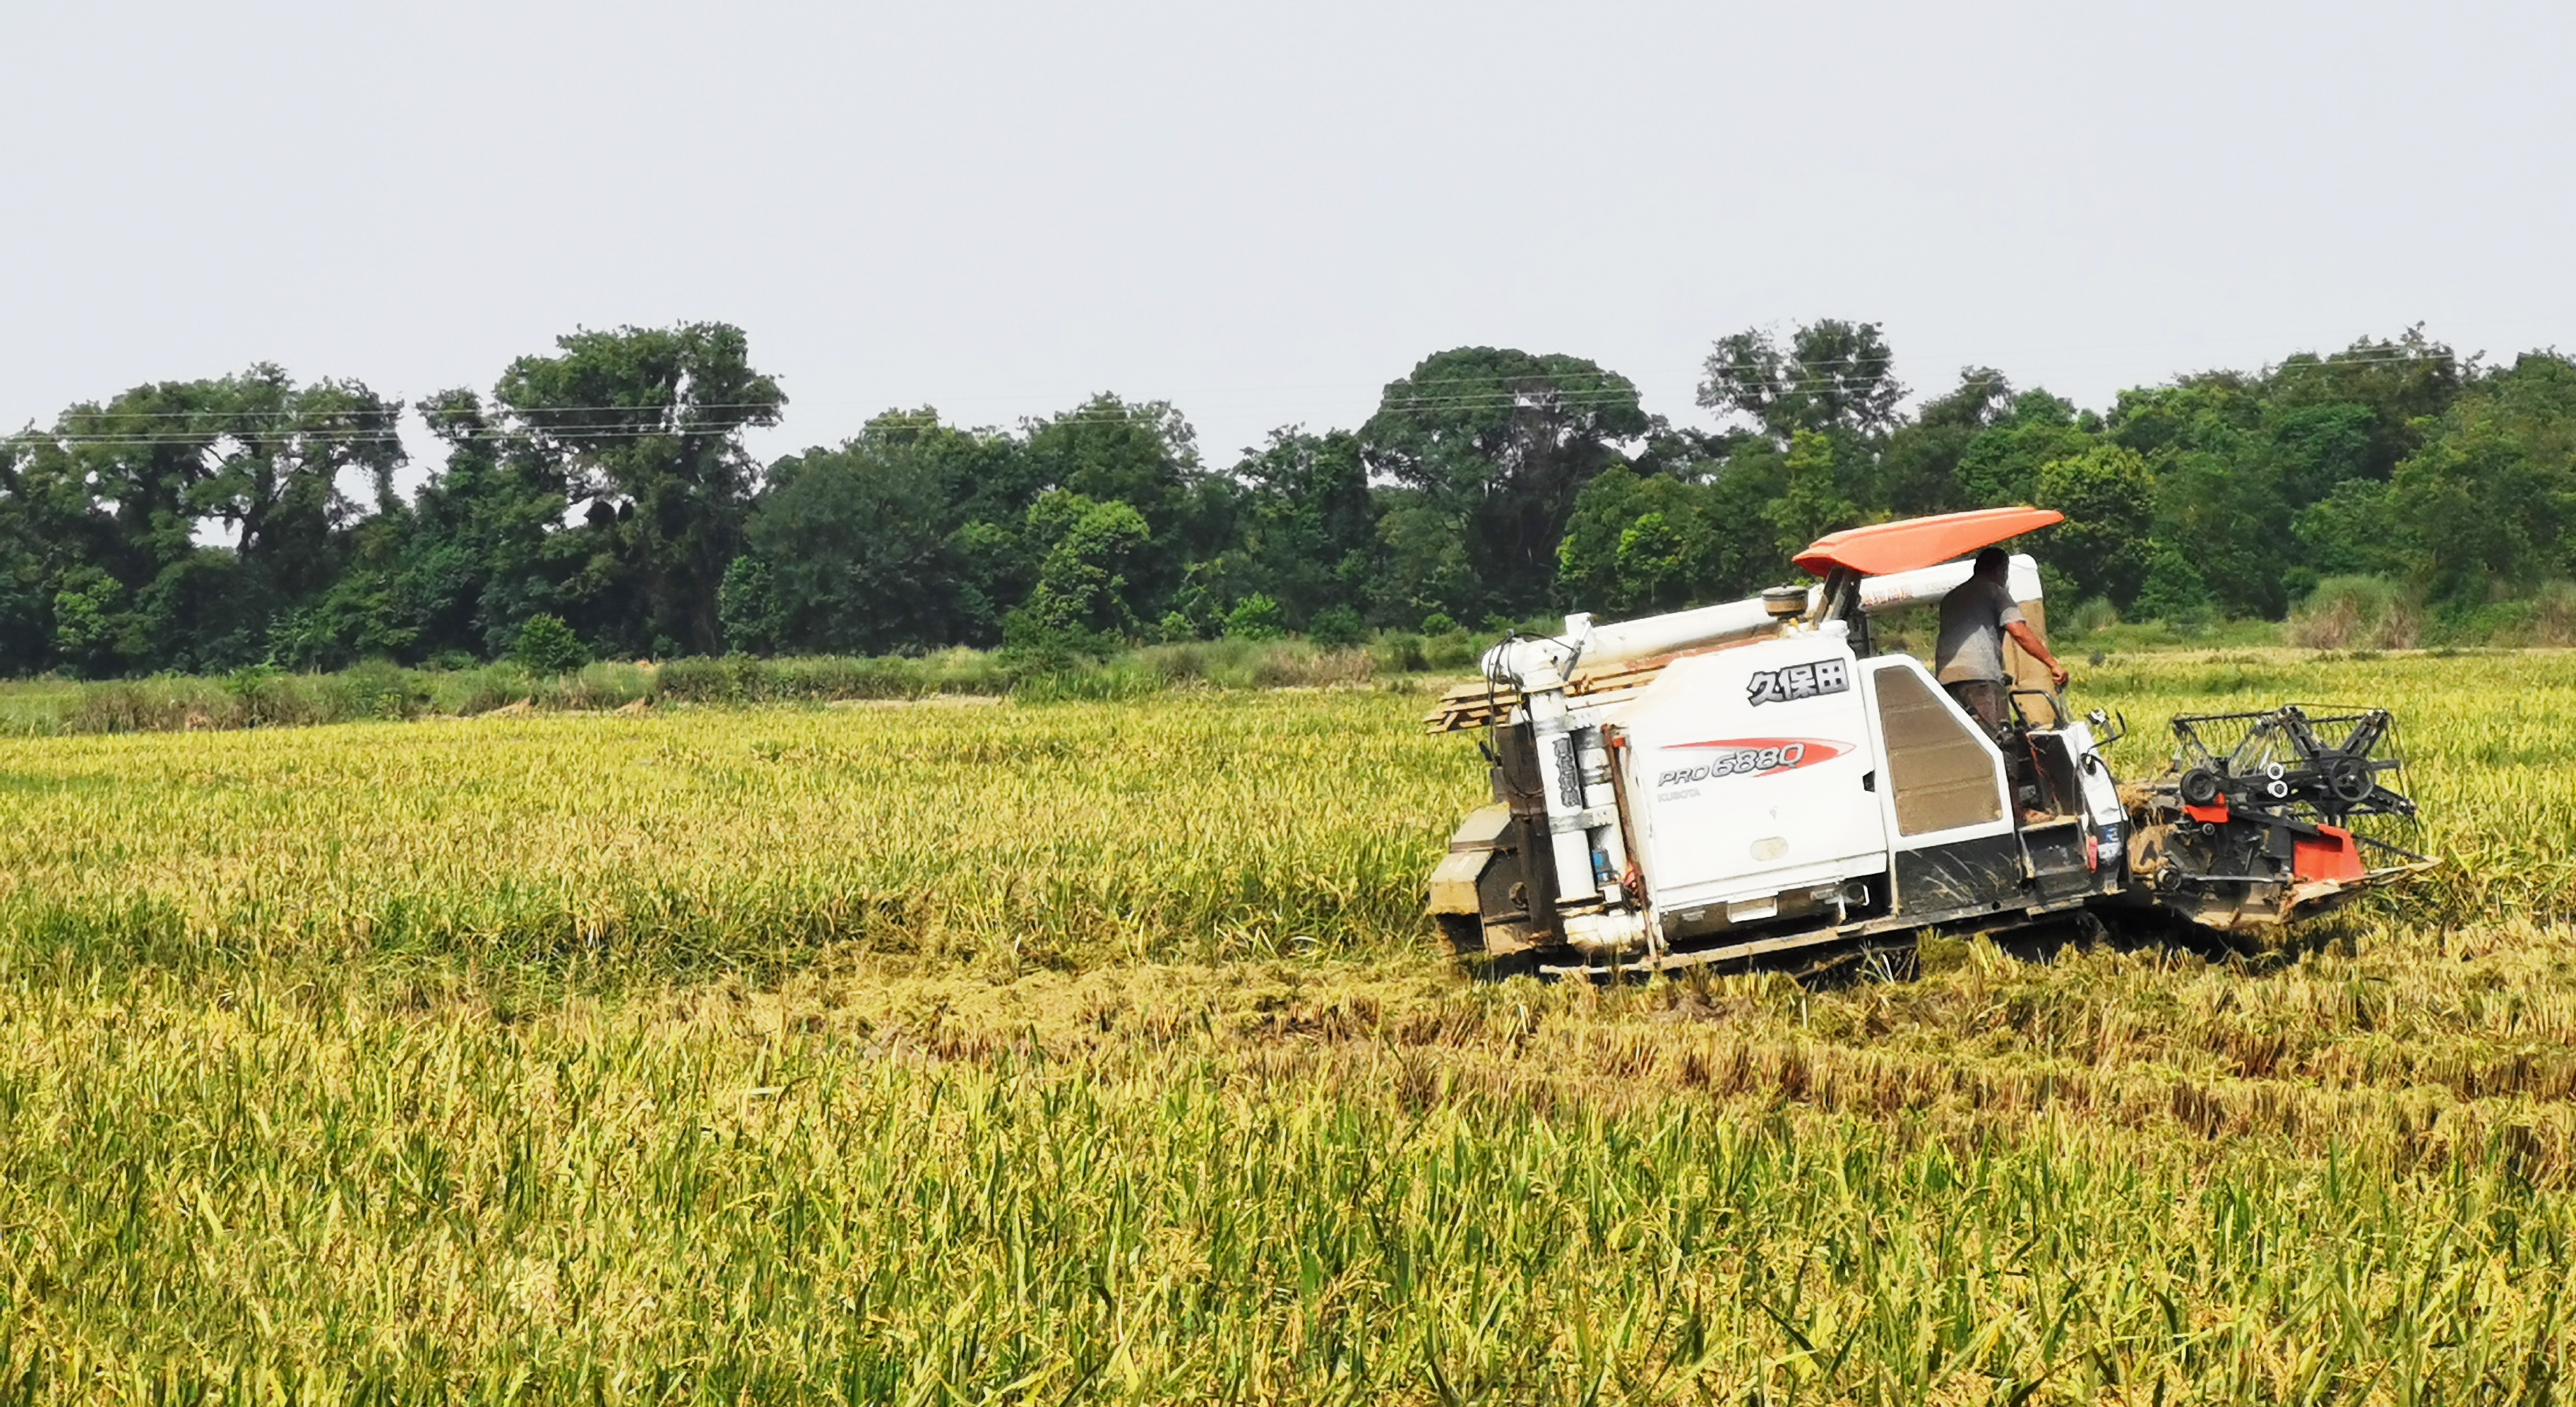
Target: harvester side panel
[{"x": 1747, "y": 775}]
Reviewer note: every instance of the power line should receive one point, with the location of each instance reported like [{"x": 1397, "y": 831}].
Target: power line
[{"x": 1610, "y": 388}]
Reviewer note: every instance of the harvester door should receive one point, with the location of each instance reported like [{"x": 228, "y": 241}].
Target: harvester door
[
  {"x": 1945, "y": 799},
  {"x": 1747, "y": 784}
]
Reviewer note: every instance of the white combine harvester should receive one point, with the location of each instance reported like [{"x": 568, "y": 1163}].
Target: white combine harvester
[{"x": 1755, "y": 778}]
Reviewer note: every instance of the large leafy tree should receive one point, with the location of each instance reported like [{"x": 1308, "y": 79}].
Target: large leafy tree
[
  {"x": 216, "y": 509},
  {"x": 2488, "y": 505},
  {"x": 2106, "y": 543},
  {"x": 1145, "y": 455},
  {"x": 648, "y": 423},
  {"x": 2000, "y": 463},
  {"x": 486, "y": 550},
  {"x": 1501, "y": 442},
  {"x": 2396, "y": 390},
  {"x": 1918, "y": 470},
  {"x": 860, "y": 544},
  {"x": 1832, "y": 376},
  {"x": 277, "y": 477},
  {"x": 1640, "y": 543},
  {"x": 1306, "y": 523},
  {"x": 1084, "y": 592}
]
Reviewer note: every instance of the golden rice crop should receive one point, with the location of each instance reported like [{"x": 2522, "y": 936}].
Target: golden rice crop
[
  {"x": 1096, "y": 1052},
  {"x": 1206, "y": 824}
]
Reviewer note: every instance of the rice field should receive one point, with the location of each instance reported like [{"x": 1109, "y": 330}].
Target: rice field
[{"x": 954, "y": 1053}]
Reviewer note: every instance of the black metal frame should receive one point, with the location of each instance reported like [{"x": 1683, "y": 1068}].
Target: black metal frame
[{"x": 2316, "y": 764}]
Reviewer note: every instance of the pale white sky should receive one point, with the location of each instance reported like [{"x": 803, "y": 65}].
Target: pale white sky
[{"x": 1265, "y": 212}]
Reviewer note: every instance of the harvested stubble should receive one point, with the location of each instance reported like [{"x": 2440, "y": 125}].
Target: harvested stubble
[{"x": 309, "y": 1144}]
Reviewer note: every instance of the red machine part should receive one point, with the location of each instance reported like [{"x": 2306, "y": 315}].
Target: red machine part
[
  {"x": 1903, "y": 546},
  {"x": 2332, "y": 855}
]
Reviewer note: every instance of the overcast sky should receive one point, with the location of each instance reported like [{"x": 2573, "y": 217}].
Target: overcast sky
[{"x": 1265, "y": 212}]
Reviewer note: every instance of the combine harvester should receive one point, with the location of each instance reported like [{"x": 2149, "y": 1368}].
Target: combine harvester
[{"x": 1755, "y": 779}]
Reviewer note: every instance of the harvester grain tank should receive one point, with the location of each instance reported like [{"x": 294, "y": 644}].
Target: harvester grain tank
[{"x": 1756, "y": 778}]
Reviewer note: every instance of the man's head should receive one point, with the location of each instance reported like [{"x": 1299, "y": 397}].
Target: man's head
[{"x": 1992, "y": 563}]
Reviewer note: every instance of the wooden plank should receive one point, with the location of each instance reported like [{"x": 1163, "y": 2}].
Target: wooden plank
[{"x": 1472, "y": 704}]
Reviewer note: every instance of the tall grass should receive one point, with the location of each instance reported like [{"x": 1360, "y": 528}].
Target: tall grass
[
  {"x": 1094, "y": 1051},
  {"x": 2358, "y": 612},
  {"x": 268, "y": 698},
  {"x": 1205, "y": 824},
  {"x": 744, "y": 1198},
  {"x": 1202, "y": 823}
]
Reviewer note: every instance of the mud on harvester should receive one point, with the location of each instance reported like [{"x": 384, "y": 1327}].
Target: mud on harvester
[{"x": 1755, "y": 778}]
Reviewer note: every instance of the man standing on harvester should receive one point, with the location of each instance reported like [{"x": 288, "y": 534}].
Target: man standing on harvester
[
  {"x": 1969, "y": 661},
  {"x": 1969, "y": 658}
]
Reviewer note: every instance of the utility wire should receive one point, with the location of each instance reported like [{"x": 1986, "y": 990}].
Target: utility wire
[
  {"x": 543, "y": 422},
  {"x": 1813, "y": 379}
]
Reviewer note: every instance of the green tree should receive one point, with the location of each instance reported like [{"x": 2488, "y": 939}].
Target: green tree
[
  {"x": 1306, "y": 522},
  {"x": 546, "y": 645},
  {"x": 2218, "y": 503},
  {"x": 2308, "y": 450},
  {"x": 1833, "y": 376},
  {"x": 1811, "y": 504},
  {"x": 2109, "y": 499},
  {"x": 2173, "y": 589},
  {"x": 747, "y": 605},
  {"x": 2000, "y": 464},
  {"x": 486, "y": 546},
  {"x": 1082, "y": 585},
  {"x": 1501, "y": 443},
  {"x": 1144, "y": 455},
  {"x": 1337, "y": 628},
  {"x": 2488, "y": 504},
  {"x": 273, "y": 478},
  {"x": 648, "y": 424},
  {"x": 127, "y": 488},
  {"x": 90, "y": 625},
  {"x": 2353, "y": 531},
  {"x": 1256, "y": 617},
  {"x": 1918, "y": 471},
  {"x": 2402, "y": 385},
  {"x": 1424, "y": 564},
  {"x": 857, "y": 544},
  {"x": 1644, "y": 543}
]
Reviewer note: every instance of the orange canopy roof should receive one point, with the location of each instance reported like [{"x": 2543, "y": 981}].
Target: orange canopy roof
[{"x": 1902, "y": 546}]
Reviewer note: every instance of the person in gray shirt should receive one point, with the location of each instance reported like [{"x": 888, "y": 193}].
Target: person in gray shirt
[{"x": 1969, "y": 660}]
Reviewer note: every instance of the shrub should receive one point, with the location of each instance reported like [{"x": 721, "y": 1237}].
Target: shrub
[
  {"x": 1400, "y": 652},
  {"x": 1438, "y": 623},
  {"x": 1336, "y": 627},
  {"x": 1454, "y": 650},
  {"x": 2090, "y": 616},
  {"x": 547, "y": 646},
  {"x": 376, "y": 689},
  {"x": 2357, "y": 612},
  {"x": 1256, "y": 617},
  {"x": 2553, "y": 615}
]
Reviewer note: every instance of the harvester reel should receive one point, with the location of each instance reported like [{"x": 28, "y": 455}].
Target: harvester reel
[{"x": 2295, "y": 760}]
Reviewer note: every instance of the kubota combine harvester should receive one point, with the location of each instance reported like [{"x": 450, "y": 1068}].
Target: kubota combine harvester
[{"x": 1755, "y": 778}]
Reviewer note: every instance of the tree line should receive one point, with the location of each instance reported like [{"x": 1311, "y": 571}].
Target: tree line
[{"x": 599, "y": 498}]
